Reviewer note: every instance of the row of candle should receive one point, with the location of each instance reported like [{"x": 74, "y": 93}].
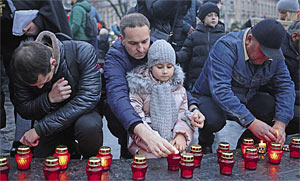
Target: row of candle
[{"x": 186, "y": 162}]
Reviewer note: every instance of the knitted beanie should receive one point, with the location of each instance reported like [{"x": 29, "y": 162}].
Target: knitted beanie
[
  {"x": 159, "y": 52},
  {"x": 294, "y": 26},
  {"x": 288, "y": 5},
  {"x": 206, "y": 8}
]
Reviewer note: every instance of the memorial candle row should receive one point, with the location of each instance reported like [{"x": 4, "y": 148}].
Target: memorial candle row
[{"x": 185, "y": 162}]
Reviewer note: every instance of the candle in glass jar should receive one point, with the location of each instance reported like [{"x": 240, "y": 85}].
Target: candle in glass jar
[
  {"x": 226, "y": 163},
  {"x": 23, "y": 157},
  {"x": 61, "y": 152},
  {"x": 275, "y": 153},
  {"x": 139, "y": 167},
  {"x": 186, "y": 165},
  {"x": 196, "y": 150},
  {"x": 223, "y": 146},
  {"x": 295, "y": 147},
  {"x": 4, "y": 168},
  {"x": 251, "y": 158},
  {"x": 105, "y": 155},
  {"x": 51, "y": 168},
  {"x": 173, "y": 161},
  {"x": 93, "y": 168},
  {"x": 247, "y": 142}
]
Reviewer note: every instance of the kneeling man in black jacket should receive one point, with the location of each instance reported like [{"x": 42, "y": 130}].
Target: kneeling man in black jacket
[{"x": 58, "y": 83}]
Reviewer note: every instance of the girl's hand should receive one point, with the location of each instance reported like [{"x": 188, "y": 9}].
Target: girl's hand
[{"x": 179, "y": 142}]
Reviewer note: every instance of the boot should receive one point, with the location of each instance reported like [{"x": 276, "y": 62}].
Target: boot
[{"x": 206, "y": 140}]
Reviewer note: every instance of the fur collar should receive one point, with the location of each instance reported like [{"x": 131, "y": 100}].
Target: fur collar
[
  {"x": 141, "y": 81},
  {"x": 49, "y": 39}
]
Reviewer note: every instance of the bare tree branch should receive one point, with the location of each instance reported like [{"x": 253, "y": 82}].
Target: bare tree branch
[{"x": 115, "y": 8}]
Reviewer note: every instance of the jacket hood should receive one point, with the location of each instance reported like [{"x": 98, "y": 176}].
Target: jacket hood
[
  {"x": 84, "y": 4},
  {"x": 49, "y": 39},
  {"x": 141, "y": 81},
  {"x": 219, "y": 27}
]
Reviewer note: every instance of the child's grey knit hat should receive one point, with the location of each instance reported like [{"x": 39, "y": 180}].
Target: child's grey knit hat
[
  {"x": 288, "y": 5},
  {"x": 159, "y": 52}
]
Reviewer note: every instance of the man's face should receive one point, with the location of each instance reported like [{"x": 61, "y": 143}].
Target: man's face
[
  {"x": 136, "y": 41},
  {"x": 296, "y": 41},
  {"x": 254, "y": 51},
  {"x": 42, "y": 80}
]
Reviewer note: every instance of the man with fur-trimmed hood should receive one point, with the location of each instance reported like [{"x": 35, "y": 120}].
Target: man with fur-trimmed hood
[{"x": 58, "y": 84}]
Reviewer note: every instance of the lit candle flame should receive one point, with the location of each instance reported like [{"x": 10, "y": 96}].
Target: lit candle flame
[
  {"x": 104, "y": 162},
  {"x": 274, "y": 156},
  {"x": 277, "y": 132},
  {"x": 262, "y": 144},
  {"x": 22, "y": 161},
  {"x": 63, "y": 160}
]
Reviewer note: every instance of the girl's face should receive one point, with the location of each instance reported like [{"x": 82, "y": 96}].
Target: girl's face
[
  {"x": 211, "y": 19},
  {"x": 163, "y": 71}
]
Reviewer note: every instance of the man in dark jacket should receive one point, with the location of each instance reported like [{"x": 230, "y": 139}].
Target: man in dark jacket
[
  {"x": 58, "y": 84},
  {"x": 125, "y": 54},
  {"x": 236, "y": 67},
  {"x": 291, "y": 51}
]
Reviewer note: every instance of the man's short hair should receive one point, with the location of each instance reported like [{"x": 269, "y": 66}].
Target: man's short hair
[
  {"x": 29, "y": 60},
  {"x": 133, "y": 20}
]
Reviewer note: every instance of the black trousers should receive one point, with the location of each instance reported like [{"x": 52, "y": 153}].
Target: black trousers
[
  {"x": 87, "y": 130},
  {"x": 262, "y": 106}
]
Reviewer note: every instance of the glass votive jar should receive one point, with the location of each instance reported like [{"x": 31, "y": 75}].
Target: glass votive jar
[
  {"x": 295, "y": 147},
  {"x": 4, "y": 168},
  {"x": 63, "y": 155},
  {"x": 173, "y": 161},
  {"x": 93, "y": 168},
  {"x": 251, "y": 158},
  {"x": 186, "y": 165},
  {"x": 226, "y": 162},
  {"x": 23, "y": 157},
  {"x": 51, "y": 168},
  {"x": 223, "y": 146},
  {"x": 139, "y": 167},
  {"x": 247, "y": 142},
  {"x": 196, "y": 150},
  {"x": 105, "y": 155},
  {"x": 275, "y": 153}
]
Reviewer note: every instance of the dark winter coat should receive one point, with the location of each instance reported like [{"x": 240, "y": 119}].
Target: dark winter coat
[
  {"x": 195, "y": 50},
  {"x": 292, "y": 60},
  {"x": 51, "y": 17},
  {"x": 161, "y": 14},
  {"x": 180, "y": 32},
  {"x": 33, "y": 103}
]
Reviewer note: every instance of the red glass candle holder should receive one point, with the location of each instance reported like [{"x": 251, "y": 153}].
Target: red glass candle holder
[
  {"x": 223, "y": 146},
  {"x": 196, "y": 150},
  {"x": 247, "y": 142},
  {"x": 251, "y": 158},
  {"x": 186, "y": 165},
  {"x": 173, "y": 161},
  {"x": 139, "y": 167},
  {"x": 51, "y": 168},
  {"x": 275, "y": 153},
  {"x": 23, "y": 157},
  {"x": 105, "y": 156},
  {"x": 295, "y": 147},
  {"x": 93, "y": 168},
  {"x": 226, "y": 163},
  {"x": 61, "y": 152},
  {"x": 4, "y": 168}
]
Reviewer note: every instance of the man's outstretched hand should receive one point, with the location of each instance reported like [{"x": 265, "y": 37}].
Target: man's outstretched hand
[
  {"x": 30, "y": 138},
  {"x": 263, "y": 131}
]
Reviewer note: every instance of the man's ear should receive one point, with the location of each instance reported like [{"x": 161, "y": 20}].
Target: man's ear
[
  {"x": 52, "y": 61},
  {"x": 122, "y": 38},
  {"x": 295, "y": 36},
  {"x": 249, "y": 38}
]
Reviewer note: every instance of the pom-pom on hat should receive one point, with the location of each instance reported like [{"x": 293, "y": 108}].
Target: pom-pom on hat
[
  {"x": 159, "y": 52},
  {"x": 270, "y": 34},
  {"x": 206, "y": 8},
  {"x": 288, "y": 5}
]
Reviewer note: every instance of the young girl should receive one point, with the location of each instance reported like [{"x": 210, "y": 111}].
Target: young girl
[{"x": 158, "y": 96}]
